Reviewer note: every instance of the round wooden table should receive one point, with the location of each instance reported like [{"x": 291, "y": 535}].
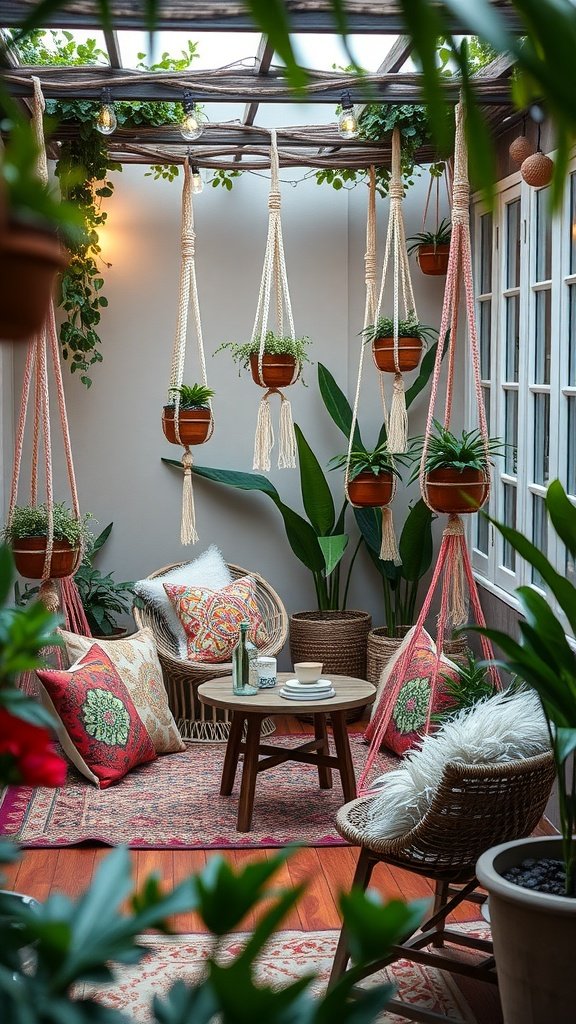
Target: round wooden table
[{"x": 258, "y": 757}]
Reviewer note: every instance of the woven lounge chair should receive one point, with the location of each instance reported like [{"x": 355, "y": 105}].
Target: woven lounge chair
[
  {"x": 475, "y": 807},
  {"x": 182, "y": 678}
]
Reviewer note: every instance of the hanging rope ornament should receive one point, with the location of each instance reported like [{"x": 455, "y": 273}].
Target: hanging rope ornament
[
  {"x": 366, "y": 490},
  {"x": 183, "y": 425},
  {"x": 274, "y": 371},
  {"x": 397, "y": 353},
  {"x": 47, "y": 559},
  {"x": 537, "y": 170},
  {"x": 431, "y": 249}
]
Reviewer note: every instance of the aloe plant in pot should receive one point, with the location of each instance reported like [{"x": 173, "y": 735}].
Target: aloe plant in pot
[
  {"x": 371, "y": 475},
  {"x": 456, "y": 470},
  {"x": 533, "y": 925},
  {"x": 190, "y": 410},
  {"x": 432, "y": 249},
  {"x": 412, "y": 335}
]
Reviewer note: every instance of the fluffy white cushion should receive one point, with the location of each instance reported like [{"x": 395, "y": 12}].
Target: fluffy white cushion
[
  {"x": 504, "y": 727},
  {"x": 208, "y": 570}
]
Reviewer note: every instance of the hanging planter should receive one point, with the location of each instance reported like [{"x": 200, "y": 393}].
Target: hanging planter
[
  {"x": 369, "y": 491},
  {"x": 192, "y": 415},
  {"x": 456, "y": 469},
  {"x": 29, "y": 261},
  {"x": 370, "y": 476},
  {"x": 432, "y": 249},
  {"x": 411, "y": 337},
  {"x": 278, "y": 371},
  {"x": 282, "y": 359},
  {"x": 27, "y": 535},
  {"x": 456, "y": 491}
]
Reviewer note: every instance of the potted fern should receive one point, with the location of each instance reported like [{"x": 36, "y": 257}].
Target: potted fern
[
  {"x": 411, "y": 338},
  {"x": 432, "y": 249},
  {"x": 27, "y": 535},
  {"x": 281, "y": 362},
  {"x": 370, "y": 475},
  {"x": 194, "y": 415},
  {"x": 456, "y": 471}
]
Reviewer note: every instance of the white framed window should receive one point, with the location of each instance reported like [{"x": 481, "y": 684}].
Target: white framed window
[{"x": 525, "y": 286}]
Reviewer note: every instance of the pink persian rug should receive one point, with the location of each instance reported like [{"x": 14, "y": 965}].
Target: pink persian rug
[
  {"x": 175, "y": 802},
  {"x": 288, "y": 956}
]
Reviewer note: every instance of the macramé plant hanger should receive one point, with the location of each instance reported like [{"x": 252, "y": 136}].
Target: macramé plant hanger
[
  {"x": 274, "y": 277},
  {"x": 432, "y": 256},
  {"x": 53, "y": 562},
  {"x": 453, "y": 568},
  {"x": 182, "y": 426}
]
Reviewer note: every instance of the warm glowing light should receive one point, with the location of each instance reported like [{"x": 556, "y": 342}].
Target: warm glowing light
[
  {"x": 347, "y": 122},
  {"x": 197, "y": 181},
  {"x": 106, "y": 120},
  {"x": 194, "y": 120}
]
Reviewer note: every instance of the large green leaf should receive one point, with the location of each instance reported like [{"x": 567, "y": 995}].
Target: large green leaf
[
  {"x": 426, "y": 368},
  {"x": 369, "y": 521},
  {"x": 232, "y": 477},
  {"x": 316, "y": 494},
  {"x": 562, "y": 515},
  {"x": 302, "y": 539},
  {"x": 272, "y": 18},
  {"x": 337, "y": 404},
  {"x": 333, "y": 548},
  {"x": 415, "y": 544}
]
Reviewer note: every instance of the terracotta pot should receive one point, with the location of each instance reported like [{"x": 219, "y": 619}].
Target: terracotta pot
[
  {"x": 449, "y": 490},
  {"x": 369, "y": 491},
  {"x": 277, "y": 371},
  {"x": 29, "y": 262},
  {"x": 30, "y": 552},
  {"x": 409, "y": 353},
  {"x": 433, "y": 260},
  {"x": 533, "y": 935},
  {"x": 194, "y": 425}
]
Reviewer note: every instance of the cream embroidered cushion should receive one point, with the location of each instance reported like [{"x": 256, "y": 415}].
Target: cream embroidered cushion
[{"x": 136, "y": 661}]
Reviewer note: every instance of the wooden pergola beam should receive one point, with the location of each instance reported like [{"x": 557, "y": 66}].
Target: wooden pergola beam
[{"x": 264, "y": 57}]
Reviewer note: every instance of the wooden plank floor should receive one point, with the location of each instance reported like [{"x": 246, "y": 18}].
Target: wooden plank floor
[{"x": 326, "y": 870}]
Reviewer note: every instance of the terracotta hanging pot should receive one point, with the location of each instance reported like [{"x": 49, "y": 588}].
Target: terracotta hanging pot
[
  {"x": 433, "y": 259},
  {"x": 193, "y": 424},
  {"x": 29, "y": 262},
  {"x": 30, "y": 553},
  {"x": 409, "y": 353},
  {"x": 454, "y": 491},
  {"x": 369, "y": 491},
  {"x": 277, "y": 371}
]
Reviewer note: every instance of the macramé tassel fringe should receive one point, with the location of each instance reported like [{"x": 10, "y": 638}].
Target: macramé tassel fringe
[
  {"x": 264, "y": 439},
  {"x": 188, "y": 534},
  {"x": 389, "y": 548},
  {"x": 287, "y": 450},
  {"x": 398, "y": 422},
  {"x": 457, "y": 604}
]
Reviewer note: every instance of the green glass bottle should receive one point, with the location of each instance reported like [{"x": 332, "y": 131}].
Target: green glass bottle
[{"x": 244, "y": 665}]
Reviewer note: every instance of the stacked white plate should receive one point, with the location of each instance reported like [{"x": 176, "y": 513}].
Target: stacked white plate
[{"x": 295, "y": 690}]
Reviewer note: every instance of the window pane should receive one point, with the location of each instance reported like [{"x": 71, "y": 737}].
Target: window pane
[
  {"x": 486, "y": 400},
  {"x": 511, "y": 432},
  {"x": 542, "y": 339},
  {"x": 570, "y": 568},
  {"x": 571, "y": 474},
  {"x": 541, "y": 438},
  {"x": 485, "y": 311},
  {"x": 486, "y": 253},
  {"x": 482, "y": 534},
  {"x": 508, "y": 553},
  {"x": 572, "y": 338},
  {"x": 513, "y": 244},
  {"x": 543, "y": 236},
  {"x": 512, "y": 336},
  {"x": 573, "y": 223},
  {"x": 539, "y": 533}
]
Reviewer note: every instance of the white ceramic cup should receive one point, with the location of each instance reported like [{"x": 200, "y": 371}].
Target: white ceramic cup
[
  {"x": 266, "y": 668},
  {"x": 308, "y": 671}
]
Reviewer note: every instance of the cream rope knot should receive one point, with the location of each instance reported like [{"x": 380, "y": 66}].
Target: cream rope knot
[
  {"x": 188, "y": 245},
  {"x": 461, "y": 202},
  {"x": 274, "y": 200},
  {"x": 370, "y": 266},
  {"x": 454, "y": 527},
  {"x": 396, "y": 190}
]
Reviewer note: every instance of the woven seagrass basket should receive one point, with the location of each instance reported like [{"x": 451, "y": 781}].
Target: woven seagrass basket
[
  {"x": 381, "y": 648},
  {"x": 337, "y": 639}
]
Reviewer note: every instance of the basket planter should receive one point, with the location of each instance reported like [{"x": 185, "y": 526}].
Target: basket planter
[
  {"x": 533, "y": 936},
  {"x": 277, "y": 371},
  {"x": 193, "y": 424},
  {"x": 337, "y": 639},
  {"x": 29, "y": 262},
  {"x": 433, "y": 259},
  {"x": 369, "y": 491},
  {"x": 454, "y": 491},
  {"x": 30, "y": 553},
  {"x": 409, "y": 354},
  {"x": 381, "y": 648}
]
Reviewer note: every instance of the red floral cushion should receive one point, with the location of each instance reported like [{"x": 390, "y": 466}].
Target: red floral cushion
[
  {"x": 211, "y": 618},
  {"x": 99, "y": 716},
  {"x": 410, "y": 710}
]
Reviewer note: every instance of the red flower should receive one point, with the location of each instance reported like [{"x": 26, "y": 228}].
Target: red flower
[{"x": 27, "y": 753}]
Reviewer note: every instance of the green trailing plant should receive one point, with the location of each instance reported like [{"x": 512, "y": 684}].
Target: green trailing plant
[
  {"x": 543, "y": 657},
  {"x": 192, "y": 396},
  {"x": 446, "y": 450},
  {"x": 32, "y": 521},
  {"x": 362, "y": 460},
  {"x": 441, "y": 236},
  {"x": 410, "y": 327},
  {"x": 274, "y": 345}
]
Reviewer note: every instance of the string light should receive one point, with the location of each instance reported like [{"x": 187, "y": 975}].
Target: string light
[
  {"x": 347, "y": 122},
  {"x": 197, "y": 180},
  {"x": 106, "y": 120},
  {"x": 194, "y": 120}
]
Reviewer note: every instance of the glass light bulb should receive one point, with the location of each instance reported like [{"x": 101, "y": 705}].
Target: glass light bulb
[
  {"x": 192, "y": 124},
  {"x": 197, "y": 181},
  {"x": 348, "y": 123},
  {"x": 106, "y": 122}
]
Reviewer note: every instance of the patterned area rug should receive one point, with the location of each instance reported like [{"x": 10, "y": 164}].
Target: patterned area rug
[
  {"x": 175, "y": 802},
  {"x": 289, "y": 956}
]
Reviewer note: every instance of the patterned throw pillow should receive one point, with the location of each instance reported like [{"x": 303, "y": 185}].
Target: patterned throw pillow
[
  {"x": 410, "y": 709},
  {"x": 211, "y": 618},
  {"x": 136, "y": 661},
  {"x": 99, "y": 718}
]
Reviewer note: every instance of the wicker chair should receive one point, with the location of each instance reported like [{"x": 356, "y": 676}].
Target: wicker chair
[
  {"x": 474, "y": 808},
  {"x": 182, "y": 678}
]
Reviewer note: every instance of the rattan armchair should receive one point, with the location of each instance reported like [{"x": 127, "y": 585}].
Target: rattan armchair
[
  {"x": 182, "y": 678},
  {"x": 474, "y": 808}
]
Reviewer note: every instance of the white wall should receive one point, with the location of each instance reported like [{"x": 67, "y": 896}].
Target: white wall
[{"x": 115, "y": 426}]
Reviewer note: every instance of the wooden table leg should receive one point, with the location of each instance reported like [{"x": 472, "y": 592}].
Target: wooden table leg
[
  {"x": 343, "y": 754},
  {"x": 232, "y": 753},
  {"x": 324, "y": 773},
  {"x": 249, "y": 772}
]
